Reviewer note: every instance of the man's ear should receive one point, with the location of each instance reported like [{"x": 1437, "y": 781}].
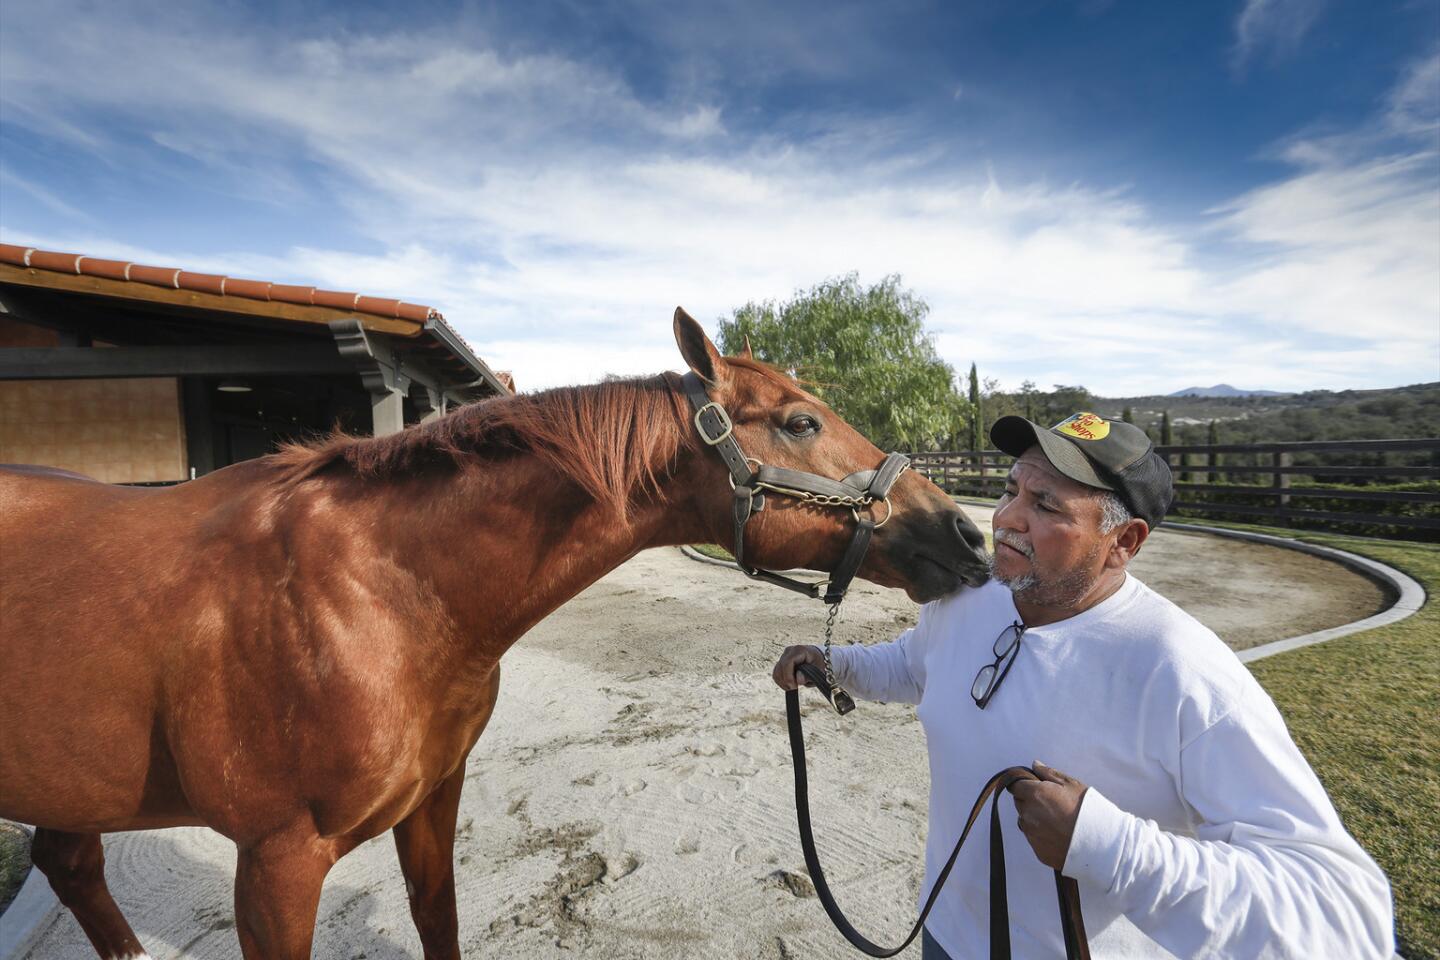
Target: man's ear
[
  {"x": 697, "y": 349},
  {"x": 1128, "y": 541}
]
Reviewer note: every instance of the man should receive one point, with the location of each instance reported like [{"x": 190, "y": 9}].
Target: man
[{"x": 1186, "y": 814}]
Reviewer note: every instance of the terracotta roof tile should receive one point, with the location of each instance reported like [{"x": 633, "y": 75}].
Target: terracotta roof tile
[
  {"x": 202, "y": 282},
  {"x": 109, "y": 269},
  {"x": 155, "y": 276},
  {"x": 213, "y": 283},
  {"x": 336, "y": 299}
]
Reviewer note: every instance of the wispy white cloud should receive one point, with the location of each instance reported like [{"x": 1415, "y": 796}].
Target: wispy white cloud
[
  {"x": 1414, "y": 104},
  {"x": 1276, "y": 26},
  {"x": 47, "y": 198},
  {"x": 557, "y": 216},
  {"x": 1348, "y": 247},
  {"x": 1343, "y": 248}
]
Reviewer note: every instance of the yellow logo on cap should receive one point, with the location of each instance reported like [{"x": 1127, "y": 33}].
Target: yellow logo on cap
[{"x": 1084, "y": 426}]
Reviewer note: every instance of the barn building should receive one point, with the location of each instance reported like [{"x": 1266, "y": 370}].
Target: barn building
[{"x": 137, "y": 374}]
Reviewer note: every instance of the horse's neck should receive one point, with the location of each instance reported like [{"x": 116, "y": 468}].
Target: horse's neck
[{"x": 502, "y": 547}]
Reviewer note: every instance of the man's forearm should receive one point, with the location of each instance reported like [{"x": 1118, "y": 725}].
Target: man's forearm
[
  {"x": 878, "y": 672},
  {"x": 1239, "y": 898}
]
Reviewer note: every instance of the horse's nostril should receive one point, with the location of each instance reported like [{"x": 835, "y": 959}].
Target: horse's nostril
[{"x": 968, "y": 531}]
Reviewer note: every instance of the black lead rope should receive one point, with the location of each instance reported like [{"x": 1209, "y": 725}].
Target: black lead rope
[{"x": 1071, "y": 923}]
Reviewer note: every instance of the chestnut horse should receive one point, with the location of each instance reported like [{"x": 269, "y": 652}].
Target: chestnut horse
[{"x": 300, "y": 651}]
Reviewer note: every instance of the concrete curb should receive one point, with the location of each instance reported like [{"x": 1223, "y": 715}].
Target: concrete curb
[{"x": 29, "y": 915}]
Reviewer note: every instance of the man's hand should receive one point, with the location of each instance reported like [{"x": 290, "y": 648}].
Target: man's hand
[
  {"x": 784, "y": 672},
  {"x": 1048, "y": 810}
]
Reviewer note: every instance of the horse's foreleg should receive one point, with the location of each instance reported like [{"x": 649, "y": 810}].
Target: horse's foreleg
[
  {"x": 425, "y": 841},
  {"x": 277, "y": 891},
  {"x": 74, "y": 863}
]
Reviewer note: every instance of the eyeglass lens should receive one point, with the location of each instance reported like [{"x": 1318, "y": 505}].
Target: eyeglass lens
[
  {"x": 983, "y": 679},
  {"x": 1006, "y": 641}
]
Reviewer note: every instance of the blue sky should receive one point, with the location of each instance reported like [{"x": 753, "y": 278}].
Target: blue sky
[{"x": 1132, "y": 196}]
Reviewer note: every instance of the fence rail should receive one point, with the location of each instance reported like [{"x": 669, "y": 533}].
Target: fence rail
[{"x": 1359, "y": 478}]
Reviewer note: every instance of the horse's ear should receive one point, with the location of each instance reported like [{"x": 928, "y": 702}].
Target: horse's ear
[
  {"x": 746, "y": 353},
  {"x": 696, "y": 348}
]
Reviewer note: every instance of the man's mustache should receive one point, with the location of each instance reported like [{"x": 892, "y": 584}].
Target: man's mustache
[{"x": 1012, "y": 539}]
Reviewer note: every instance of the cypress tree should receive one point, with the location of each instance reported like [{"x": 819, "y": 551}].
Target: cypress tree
[
  {"x": 1165, "y": 437},
  {"x": 977, "y": 419},
  {"x": 1128, "y": 416}
]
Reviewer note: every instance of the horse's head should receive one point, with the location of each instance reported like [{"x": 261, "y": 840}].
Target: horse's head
[{"x": 926, "y": 546}]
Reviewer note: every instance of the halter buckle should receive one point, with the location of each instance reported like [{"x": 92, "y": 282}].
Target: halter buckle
[
  {"x": 724, "y": 420},
  {"x": 855, "y": 512}
]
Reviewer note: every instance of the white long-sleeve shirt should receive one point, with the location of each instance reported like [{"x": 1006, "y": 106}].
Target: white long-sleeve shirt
[{"x": 1204, "y": 832}]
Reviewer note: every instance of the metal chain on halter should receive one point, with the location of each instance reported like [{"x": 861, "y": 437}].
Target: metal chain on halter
[
  {"x": 819, "y": 499},
  {"x": 829, "y": 635}
]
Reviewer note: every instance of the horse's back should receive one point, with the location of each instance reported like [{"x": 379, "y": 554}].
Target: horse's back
[
  {"x": 25, "y": 488},
  {"x": 40, "y": 470}
]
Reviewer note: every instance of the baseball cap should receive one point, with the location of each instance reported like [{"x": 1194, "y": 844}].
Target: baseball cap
[{"x": 1109, "y": 454}]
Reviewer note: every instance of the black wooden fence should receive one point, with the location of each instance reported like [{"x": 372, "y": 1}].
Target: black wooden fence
[{"x": 1376, "y": 487}]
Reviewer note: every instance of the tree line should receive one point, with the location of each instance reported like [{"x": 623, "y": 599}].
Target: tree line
[{"x": 865, "y": 351}]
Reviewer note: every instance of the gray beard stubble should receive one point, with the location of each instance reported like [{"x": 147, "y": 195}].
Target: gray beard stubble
[{"x": 1063, "y": 591}]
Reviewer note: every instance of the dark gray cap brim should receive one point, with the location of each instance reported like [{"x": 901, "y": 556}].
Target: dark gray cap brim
[{"x": 1014, "y": 435}]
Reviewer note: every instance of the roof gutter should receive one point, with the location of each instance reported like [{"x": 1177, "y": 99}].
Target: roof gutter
[{"x": 439, "y": 330}]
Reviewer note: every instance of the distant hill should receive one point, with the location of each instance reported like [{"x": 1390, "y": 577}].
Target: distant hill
[
  {"x": 1392, "y": 413},
  {"x": 1224, "y": 390}
]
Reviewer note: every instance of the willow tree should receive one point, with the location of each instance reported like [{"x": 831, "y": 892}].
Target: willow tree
[{"x": 865, "y": 352}]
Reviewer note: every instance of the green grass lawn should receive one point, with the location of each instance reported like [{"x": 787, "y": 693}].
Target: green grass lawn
[
  {"x": 714, "y": 552},
  {"x": 1365, "y": 711}
]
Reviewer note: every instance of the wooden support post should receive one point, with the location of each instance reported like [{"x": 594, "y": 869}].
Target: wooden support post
[
  {"x": 387, "y": 411},
  {"x": 378, "y": 370},
  {"x": 1282, "y": 480}
]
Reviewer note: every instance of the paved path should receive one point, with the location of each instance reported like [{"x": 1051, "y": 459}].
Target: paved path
[{"x": 632, "y": 797}]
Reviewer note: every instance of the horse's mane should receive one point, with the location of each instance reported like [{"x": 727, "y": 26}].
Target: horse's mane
[{"x": 616, "y": 439}]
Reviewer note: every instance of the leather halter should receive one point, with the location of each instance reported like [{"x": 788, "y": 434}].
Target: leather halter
[{"x": 859, "y": 489}]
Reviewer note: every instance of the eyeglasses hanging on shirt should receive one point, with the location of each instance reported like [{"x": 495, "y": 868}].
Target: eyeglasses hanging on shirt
[{"x": 1006, "y": 648}]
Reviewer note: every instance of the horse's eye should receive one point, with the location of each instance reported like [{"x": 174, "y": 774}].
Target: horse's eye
[{"x": 803, "y": 426}]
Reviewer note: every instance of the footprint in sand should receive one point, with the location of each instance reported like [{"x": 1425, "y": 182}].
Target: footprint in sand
[
  {"x": 696, "y": 795},
  {"x": 620, "y": 868},
  {"x": 793, "y": 882}
]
